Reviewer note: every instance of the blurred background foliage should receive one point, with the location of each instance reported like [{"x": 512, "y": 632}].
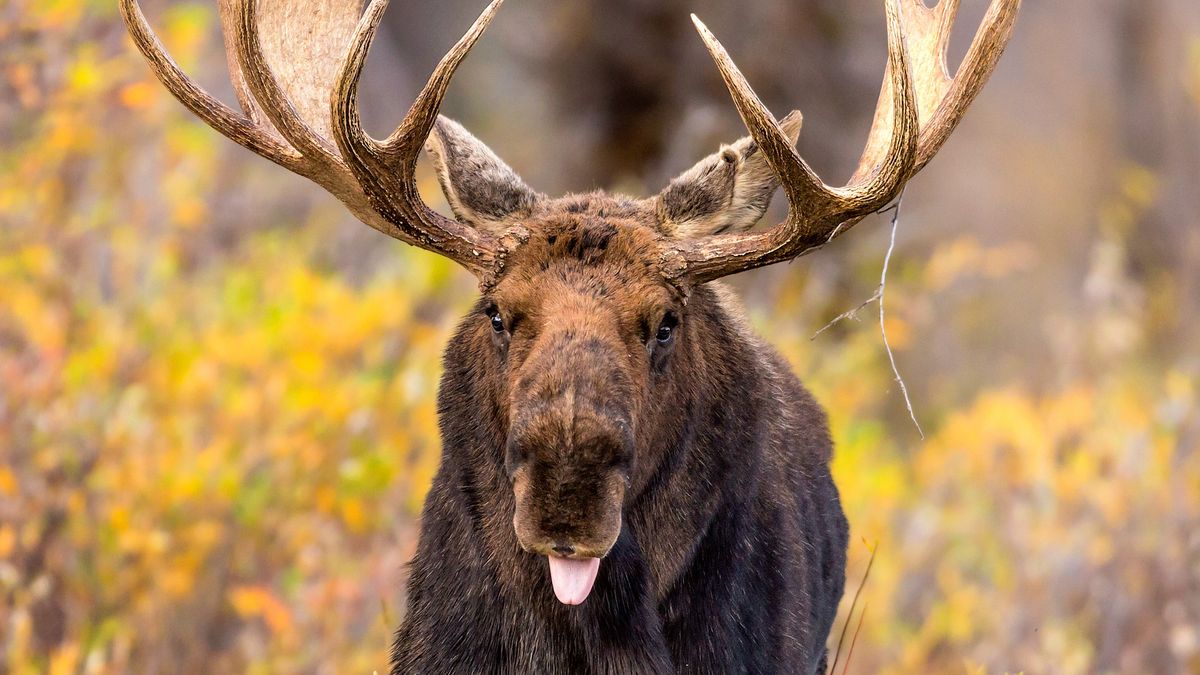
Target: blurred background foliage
[{"x": 217, "y": 391}]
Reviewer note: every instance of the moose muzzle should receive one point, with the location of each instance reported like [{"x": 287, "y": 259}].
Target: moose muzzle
[{"x": 569, "y": 453}]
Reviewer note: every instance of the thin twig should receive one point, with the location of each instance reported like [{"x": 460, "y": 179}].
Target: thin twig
[
  {"x": 877, "y": 296},
  {"x": 853, "y": 603},
  {"x": 883, "y": 328},
  {"x": 854, "y": 641},
  {"x": 849, "y": 314},
  {"x": 387, "y": 616},
  {"x": 817, "y": 247}
]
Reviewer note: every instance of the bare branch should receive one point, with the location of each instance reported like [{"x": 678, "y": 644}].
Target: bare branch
[
  {"x": 877, "y": 296},
  {"x": 854, "y": 640},
  {"x": 883, "y": 327},
  {"x": 837, "y": 653},
  {"x": 848, "y": 314}
]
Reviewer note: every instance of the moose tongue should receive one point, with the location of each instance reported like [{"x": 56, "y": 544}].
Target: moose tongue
[{"x": 573, "y": 579}]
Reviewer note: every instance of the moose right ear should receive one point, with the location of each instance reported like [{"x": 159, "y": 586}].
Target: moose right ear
[
  {"x": 481, "y": 189},
  {"x": 728, "y": 191}
]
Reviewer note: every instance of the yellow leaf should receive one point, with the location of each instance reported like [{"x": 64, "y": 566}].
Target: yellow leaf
[
  {"x": 354, "y": 515},
  {"x": 258, "y": 601},
  {"x": 65, "y": 660},
  {"x": 84, "y": 76},
  {"x": 177, "y": 582},
  {"x": 8, "y": 541},
  {"x": 189, "y": 212},
  {"x": 139, "y": 95},
  {"x": 899, "y": 332},
  {"x": 8, "y": 482}
]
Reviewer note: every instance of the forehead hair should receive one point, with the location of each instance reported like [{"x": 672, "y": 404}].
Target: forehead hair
[
  {"x": 591, "y": 230},
  {"x": 600, "y": 246}
]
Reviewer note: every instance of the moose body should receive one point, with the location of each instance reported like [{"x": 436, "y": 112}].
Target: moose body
[
  {"x": 631, "y": 482},
  {"x": 732, "y": 555}
]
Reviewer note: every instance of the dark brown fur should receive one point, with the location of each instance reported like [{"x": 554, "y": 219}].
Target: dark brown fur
[{"x": 698, "y": 467}]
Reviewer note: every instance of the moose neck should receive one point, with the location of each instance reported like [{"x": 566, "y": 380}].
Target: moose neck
[{"x": 694, "y": 452}]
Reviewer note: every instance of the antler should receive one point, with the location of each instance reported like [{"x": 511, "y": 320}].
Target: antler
[
  {"x": 299, "y": 110},
  {"x": 919, "y": 106}
]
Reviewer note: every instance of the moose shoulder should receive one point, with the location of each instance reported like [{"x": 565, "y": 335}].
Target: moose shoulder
[{"x": 631, "y": 481}]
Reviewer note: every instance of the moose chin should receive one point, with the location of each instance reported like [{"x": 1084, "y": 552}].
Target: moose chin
[{"x": 631, "y": 481}]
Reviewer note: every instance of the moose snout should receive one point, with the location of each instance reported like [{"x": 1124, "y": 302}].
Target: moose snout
[
  {"x": 569, "y": 477},
  {"x": 569, "y": 512},
  {"x": 563, "y": 548},
  {"x": 569, "y": 454}
]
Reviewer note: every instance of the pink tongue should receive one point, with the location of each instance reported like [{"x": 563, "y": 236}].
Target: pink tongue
[{"x": 573, "y": 579}]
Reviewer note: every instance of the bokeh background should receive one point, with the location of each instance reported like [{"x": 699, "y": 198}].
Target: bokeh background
[{"x": 217, "y": 390}]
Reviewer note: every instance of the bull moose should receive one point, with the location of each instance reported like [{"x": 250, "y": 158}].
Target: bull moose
[{"x": 631, "y": 481}]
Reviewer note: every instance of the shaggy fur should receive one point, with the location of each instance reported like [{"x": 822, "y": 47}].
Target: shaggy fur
[{"x": 697, "y": 466}]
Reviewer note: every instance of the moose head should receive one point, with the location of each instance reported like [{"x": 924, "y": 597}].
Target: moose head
[{"x": 584, "y": 299}]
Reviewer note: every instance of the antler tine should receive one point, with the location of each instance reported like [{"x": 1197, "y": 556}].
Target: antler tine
[
  {"x": 800, "y": 182},
  {"x": 386, "y": 170},
  {"x": 985, "y": 50},
  {"x": 235, "y": 126},
  {"x": 807, "y": 193},
  {"x": 919, "y": 105},
  {"x": 409, "y": 136},
  {"x": 255, "y": 68},
  {"x": 881, "y": 175},
  {"x": 816, "y": 210},
  {"x": 941, "y": 100},
  {"x": 946, "y": 12}
]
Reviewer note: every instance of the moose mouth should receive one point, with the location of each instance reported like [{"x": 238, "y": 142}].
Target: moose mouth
[{"x": 572, "y": 578}]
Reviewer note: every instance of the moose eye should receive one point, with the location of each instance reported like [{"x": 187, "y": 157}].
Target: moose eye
[
  {"x": 497, "y": 321},
  {"x": 666, "y": 329}
]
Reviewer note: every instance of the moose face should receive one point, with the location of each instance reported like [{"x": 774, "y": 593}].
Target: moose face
[
  {"x": 583, "y": 331},
  {"x": 583, "y": 328}
]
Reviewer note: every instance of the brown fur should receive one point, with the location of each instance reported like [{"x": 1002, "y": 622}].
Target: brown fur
[{"x": 696, "y": 466}]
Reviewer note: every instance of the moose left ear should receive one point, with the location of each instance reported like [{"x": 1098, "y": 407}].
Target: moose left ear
[
  {"x": 481, "y": 189},
  {"x": 726, "y": 191}
]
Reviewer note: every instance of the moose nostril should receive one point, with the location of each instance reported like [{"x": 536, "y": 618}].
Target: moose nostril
[{"x": 564, "y": 549}]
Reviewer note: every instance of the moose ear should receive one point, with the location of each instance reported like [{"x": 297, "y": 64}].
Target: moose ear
[
  {"x": 482, "y": 190},
  {"x": 726, "y": 191}
]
